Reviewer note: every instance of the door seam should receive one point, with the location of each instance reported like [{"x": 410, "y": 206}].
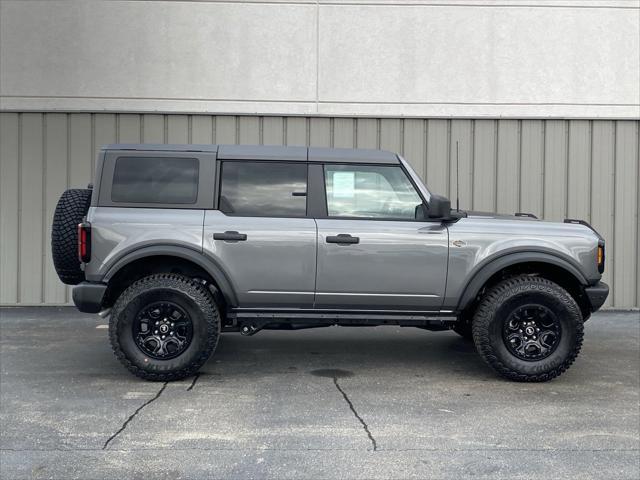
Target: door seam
[
  {"x": 315, "y": 282},
  {"x": 446, "y": 277}
]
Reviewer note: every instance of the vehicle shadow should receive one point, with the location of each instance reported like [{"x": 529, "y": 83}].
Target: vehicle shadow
[{"x": 362, "y": 350}]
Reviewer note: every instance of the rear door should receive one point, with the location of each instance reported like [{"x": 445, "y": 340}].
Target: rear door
[
  {"x": 372, "y": 251},
  {"x": 260, "y": 234}
]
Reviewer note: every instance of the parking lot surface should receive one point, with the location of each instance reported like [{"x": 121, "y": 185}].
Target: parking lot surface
[{"x": 383, "y": 402}]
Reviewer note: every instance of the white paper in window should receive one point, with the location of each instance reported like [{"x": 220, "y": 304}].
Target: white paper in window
[{"x": 344, "y": 184}]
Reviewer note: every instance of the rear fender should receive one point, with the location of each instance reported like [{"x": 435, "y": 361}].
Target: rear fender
[{"x": 207, "y": 264}]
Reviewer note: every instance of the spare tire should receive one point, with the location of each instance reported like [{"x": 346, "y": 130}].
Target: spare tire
[{"x": 70, "y": 211}]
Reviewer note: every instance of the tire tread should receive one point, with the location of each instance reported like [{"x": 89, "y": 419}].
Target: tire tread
[
  {"x": 71, "y": 208},
  {"x": 197, "y": 292},
  {"x": 488, "y": 307}
]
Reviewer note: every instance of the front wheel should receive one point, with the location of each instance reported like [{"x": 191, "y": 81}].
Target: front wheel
[
  {"x": 528, "y": 329},
  {"x": 164, "y": 327}
]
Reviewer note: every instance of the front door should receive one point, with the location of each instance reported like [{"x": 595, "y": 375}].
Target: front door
[
  {"x": 373, "y": 254},
  {"x": 260, "y": 235}
]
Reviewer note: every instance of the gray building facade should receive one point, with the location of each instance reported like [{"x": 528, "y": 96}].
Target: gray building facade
[{"x": 542, "y": 98}]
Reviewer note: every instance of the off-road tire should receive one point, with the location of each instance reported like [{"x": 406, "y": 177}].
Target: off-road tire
[
  {"x": 70, "y": 210},
  {"x": 497, "y": 305},
  {"x": 190, "y": 295}
]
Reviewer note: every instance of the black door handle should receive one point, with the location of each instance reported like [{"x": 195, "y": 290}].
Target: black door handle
[
  {"x": 230, "y": 235},
  {"x": 343, "y": 238}
]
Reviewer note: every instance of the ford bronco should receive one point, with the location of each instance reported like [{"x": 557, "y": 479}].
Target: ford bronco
[{"x": 179, "y": 243}]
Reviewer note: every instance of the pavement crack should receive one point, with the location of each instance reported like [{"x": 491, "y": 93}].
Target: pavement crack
[
  {"x": 133, "y": 415},
  {"x": 193, "y": 384},
  {"x": 353, "y": 409}
]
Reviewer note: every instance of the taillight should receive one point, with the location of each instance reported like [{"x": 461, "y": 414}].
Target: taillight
[
  {"x": 601, "y": 257},
  {"x": 84, "y": 242}
]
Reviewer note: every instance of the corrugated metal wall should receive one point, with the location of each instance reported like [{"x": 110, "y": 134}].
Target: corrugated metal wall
[{"x": 552, "y": 168}]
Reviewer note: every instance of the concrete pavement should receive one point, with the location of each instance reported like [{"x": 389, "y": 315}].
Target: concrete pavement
[{"x": 339, "y": 402}]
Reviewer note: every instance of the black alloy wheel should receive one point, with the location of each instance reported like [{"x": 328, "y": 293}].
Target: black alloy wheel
[
  {"x": 162, "y": 330},
  {"x": 532, "y": 332}
]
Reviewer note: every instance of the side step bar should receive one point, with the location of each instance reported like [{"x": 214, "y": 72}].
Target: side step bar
[{"x": 249, "y": 321}]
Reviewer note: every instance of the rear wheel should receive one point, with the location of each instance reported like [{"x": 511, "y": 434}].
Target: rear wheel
[
  {"x": 164, "y": 327},
  {"x": 528, "y": 329}
]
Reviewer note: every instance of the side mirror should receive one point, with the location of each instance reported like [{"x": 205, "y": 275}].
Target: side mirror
[
  {"x": 421, "y": 212},
  {"x": 439, "y": 207}
]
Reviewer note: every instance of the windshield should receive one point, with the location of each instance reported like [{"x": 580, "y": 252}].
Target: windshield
[{"x": 416, "y": 179}]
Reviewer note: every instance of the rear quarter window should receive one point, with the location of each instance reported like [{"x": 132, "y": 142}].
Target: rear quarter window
[{"x": 164, "y": 180}]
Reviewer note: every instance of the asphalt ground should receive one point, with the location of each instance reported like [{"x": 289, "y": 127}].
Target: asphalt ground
[{"x": 339, "y": 402}]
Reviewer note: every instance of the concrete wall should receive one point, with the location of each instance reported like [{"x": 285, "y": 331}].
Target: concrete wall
[
  {"x": 542, "y": 95},
  {"x": 555, "y": 169},
  {"x": 428, "y": 58}
]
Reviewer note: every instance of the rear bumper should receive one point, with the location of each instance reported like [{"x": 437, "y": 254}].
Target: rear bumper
[
  {"x": 88, "y": 296},
  {"x": 597, "y": 294}
]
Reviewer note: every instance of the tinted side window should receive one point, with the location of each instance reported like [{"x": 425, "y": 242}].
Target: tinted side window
[
  {"x": 264, "y": 189},
  {"x": 155, "y": 180},
  {"x": 365, "y": 191}
]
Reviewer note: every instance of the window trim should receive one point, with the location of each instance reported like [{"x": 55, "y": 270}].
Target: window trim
[
  {"x": 218, "y": 186},
  {"x": 325, "y": 210}
]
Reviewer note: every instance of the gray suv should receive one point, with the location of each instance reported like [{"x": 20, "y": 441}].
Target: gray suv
[{"x": 179, "y": 243}]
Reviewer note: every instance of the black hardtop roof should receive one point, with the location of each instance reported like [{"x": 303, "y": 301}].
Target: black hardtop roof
[{"x": 271, "y": 152}]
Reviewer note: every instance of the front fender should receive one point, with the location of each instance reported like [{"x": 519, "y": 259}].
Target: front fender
[{"x": 481, "y": 273}]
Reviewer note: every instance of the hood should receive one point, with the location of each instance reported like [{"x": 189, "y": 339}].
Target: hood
[
  {"x": 500, "y": 216},
  {"x": 569, "y": 226}
]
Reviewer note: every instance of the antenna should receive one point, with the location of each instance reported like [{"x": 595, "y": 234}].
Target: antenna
[{"x": 457, "y": 179}]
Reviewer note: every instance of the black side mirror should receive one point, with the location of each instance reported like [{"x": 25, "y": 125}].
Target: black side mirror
[
  {"x": 439, "y": 207},
  {"x": 421, "y": 212}
]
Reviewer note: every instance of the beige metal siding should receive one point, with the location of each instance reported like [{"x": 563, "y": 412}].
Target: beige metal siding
[{"x": 553, "y": 168}]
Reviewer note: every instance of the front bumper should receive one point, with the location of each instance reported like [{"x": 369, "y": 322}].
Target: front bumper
[
  {"x": 597, "y": 294},
  {"x": 88, "y": 296}
]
